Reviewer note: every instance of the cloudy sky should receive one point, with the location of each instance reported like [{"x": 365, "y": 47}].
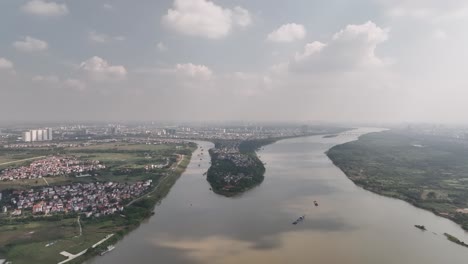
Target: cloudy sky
[{"x": 275, "y": 60}]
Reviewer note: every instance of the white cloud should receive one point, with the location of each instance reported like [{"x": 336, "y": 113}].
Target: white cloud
[
  {"x": 46, "y": 78},
  {"x": 310, "y": 49},
  {"x": 30, "y": 44},
  {"x": 5, "y": 64},
  {"x": 103, "y": 38},
  {"x": 288, "y": 33},
  {"x": 44, "y": 8},
  {"x": 75, "y": 84},
  {"x": 161, "y": 47},
  {"x": 200, "y": 72},
  {"x": 430, "y": 10},
  {"x": 241, "y": 16},
  {"x": 100, "y": 70},
  {"x": 107, "y": 6},
  {"x": 247, "y": 84},
  {"x": 440, "y": 34},
  {"x": 204, "y": 18},
  {"x": 57, "y": 82},
  {"x": 351, "y": 48}
]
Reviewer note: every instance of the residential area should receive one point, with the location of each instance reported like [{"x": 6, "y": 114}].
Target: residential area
[
  {"x": 92, "y": 199},
  {"x": 51, "y": 166}
]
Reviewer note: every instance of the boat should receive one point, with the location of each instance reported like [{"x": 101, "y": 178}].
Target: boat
[
  {"x": 421, "y": 227},
  {"x": 315, "y": 202},
  {"x": 300, "y": 219},
  {"x": 109, "y": 249}
]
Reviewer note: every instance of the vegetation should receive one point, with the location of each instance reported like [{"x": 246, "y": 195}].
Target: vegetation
[
  {"x": 24, "y": 239},
  {"x": 244, "y": 165},
  {"x": 455, "y": 240},
  {"x": 431, "y": 172}
]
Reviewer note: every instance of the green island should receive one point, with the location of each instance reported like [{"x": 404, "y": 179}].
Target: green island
[
  {"x": 428, "y": 171},
  {"x": 235, "y": 166},
  {"x": 142, "y": 173},
  {"x": 455, "y": 240}
]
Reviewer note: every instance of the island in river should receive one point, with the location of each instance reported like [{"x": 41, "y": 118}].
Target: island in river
[
  {"x": 235, "y": 167},
  {"x": 428, "y": 171}
]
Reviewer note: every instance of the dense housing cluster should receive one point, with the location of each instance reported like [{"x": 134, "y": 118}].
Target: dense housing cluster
[
  {"x": 51, "y": 166},
  {"x": 89, "y": 198}
]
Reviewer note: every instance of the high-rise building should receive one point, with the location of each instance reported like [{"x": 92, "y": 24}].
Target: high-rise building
[
  {"x": 45, "y": 136},
  {"x": 27, "y": 136},
  {"x": 37, "y": 135},
  {"x": 33, "y": 135},
  {"x": 49, "y": 132}
]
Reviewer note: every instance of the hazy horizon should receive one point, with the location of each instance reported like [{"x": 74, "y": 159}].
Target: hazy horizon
[{"x": 369, "y": 61}]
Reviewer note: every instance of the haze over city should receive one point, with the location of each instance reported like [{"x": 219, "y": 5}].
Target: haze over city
[{"x": 380, "y": 60}]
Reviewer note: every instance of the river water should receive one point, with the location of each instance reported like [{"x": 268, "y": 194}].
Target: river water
[{"x": 350, "y": 225}]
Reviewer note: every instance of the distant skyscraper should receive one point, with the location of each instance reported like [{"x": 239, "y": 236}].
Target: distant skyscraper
[
  {"x": 27, "y": 136},
  {"x": 33, "y": 135},
  {"x": 45, "y": 135},
  {"x": 49, "y": 132},
  {"x": 37, "y": 135}
]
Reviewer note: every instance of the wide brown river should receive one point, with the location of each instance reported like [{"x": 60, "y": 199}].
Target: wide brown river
[{"x": 350, "y": 225}]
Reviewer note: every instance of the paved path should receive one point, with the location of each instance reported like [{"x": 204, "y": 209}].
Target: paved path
[
  {"x": 16, "y": 161},
  {"x": 79, "y": 224},
  {"x": 71, "y": 256}
]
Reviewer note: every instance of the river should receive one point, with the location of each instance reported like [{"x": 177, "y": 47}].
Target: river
[{"x": 350, "y": 225}]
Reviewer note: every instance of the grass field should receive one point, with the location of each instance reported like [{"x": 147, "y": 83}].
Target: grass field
[{"x": 428, "y": 171}]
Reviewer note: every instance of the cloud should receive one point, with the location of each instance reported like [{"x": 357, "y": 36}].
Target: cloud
[
  {"x": 439, "y": 34},
  {"x": 161, "y": 47},
  {"x": 247, "y": 84},
  {"x": 430, "y": 10},
  {"x": 30, "y": 44},
  {"x": 200, "y": 72},
  {"x": 107, "y": 6},
  {"x": 100, "y": 70},
  {"x": 103, "y": 38},
  {"x": 287, "y": 33},
  {"x": 351, "y": 48},
  {"x": 204, "y": 18},
  {"x": 75, "y": 84},
  {"x": 5, "y": 64},
  {"x": 47, "y": 78},
  {"x": 44, "y": 8}
]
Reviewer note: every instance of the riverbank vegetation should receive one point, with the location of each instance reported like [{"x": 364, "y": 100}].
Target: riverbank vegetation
[{"x": 430, "y": 172}]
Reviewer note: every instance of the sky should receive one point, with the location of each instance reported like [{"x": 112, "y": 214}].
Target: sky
[{"x": 243, "y": 60}]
